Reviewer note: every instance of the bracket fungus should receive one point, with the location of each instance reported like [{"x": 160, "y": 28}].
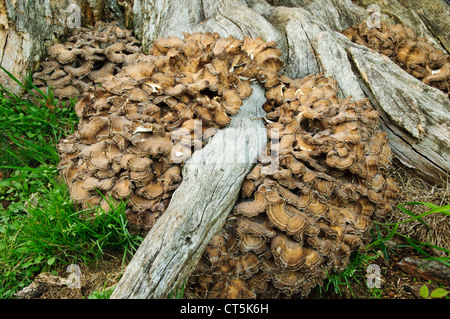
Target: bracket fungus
[
  {"x": 151, "y": 111},
  {"x": 416, "y": 55},
  {"x": 294, "y": 221},
  {"x": 88, "y": 57},
  {"x": 306, "y": 217}
]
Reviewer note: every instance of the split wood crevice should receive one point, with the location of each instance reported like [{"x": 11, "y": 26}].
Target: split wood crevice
[
  {"x": 294, "y": 221},
  {"x": 416, "y": 55}
]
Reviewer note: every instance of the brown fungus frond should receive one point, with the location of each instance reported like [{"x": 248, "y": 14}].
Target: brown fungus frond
[{"x": 415, "y": 54}]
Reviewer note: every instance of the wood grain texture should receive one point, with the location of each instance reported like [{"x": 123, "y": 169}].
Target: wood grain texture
[
  {"x": 212, "y": 179},
  {"x": 29, "y": 27},
  {"x": 415, "y": 116},
  {"x": 426, "y": 269}
]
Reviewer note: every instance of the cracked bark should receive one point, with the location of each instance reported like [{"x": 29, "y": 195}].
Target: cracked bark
[
  {"x": 416, "y": 116},
  {"x": 29, "y": 27}
]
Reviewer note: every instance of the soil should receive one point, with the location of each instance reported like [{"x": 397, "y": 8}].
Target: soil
[
  {"x": 395, "y": 283},
  {"x": 99, "y": 277}
]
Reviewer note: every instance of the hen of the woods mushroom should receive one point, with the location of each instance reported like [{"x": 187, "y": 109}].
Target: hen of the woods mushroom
[
  {"x": 306, "y": 205},
  {"x": 88, "y": 58},
  {"x": 304, "y": 218},
  {"x": 416, "y": 55}
]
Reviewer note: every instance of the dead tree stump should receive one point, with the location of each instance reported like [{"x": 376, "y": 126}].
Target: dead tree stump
[{"x": 212, "y": 179}]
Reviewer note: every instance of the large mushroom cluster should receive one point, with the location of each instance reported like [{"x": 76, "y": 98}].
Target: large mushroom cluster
[
  {"x": 416, "y": 55},
  {"x": 305, "y": 206},
  {"x": 295, "y": 223},
  {"x": 137, "y": 128},
  {"x": 89, "y": 57}
]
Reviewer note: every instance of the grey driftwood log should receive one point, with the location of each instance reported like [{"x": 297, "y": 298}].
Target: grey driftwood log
[
  {"x": 426, "y": 269},
  {"x": 417, "y": 119},
  {"x": 29, "y": 27},
  {"x": 212, "y": 179}
]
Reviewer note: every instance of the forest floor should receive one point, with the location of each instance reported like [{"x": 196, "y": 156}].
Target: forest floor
[{"x": 395, "y": 283}]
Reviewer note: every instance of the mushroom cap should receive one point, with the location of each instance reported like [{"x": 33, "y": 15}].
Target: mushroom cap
[
  {"x": 122, "y": 187},
  {"x": 138, "y": 164},
  {"x": 289, "y": 282},
  {"x": 288, "y": 254},
  {"x": 258, "y": 226},
  {"x": 152, "y": 190},
  {"x": 299, "y": 201},
  {"x": 293, "y": 223},
  {"x": 287, "y": 218},
  {"x": 94, "y": 131},
  {"x": 252, "y": 207},
  {"x": 249, "y": 242},
  {"x": 78, "y": 192},
  {"x": 90, "y": 183}
]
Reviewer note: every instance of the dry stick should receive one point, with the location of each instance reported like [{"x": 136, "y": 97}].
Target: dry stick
[{"x": 212, "y": 179}]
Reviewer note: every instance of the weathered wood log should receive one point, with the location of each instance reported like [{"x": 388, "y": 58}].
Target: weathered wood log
[
  {"x": 426, "y": 269},
  {"x": 212, "y": 179},
  {"x": 415, "y": 116},
  {"x": 45, "y": 280},
  {"x": 29, "y": 27}
]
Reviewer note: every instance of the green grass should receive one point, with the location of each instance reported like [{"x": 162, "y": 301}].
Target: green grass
[
  {"x": 36, "y": 237},
  {"x": 53, "y": 227},
  {"x": 178, "y": 291},
  {"x": 40, "y": 227},
  {"x": 101, "y": 294},
  {"x": 354, "y": 274},
  {"x": 420, "y": 247},
  {"x": 29, "y": 131}
]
